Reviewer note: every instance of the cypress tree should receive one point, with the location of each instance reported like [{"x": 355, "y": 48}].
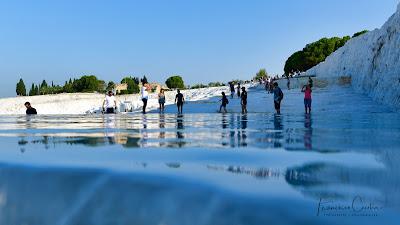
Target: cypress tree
[
  {"x": 21, "y": 89},
  {"x": 32, "y": 91}
]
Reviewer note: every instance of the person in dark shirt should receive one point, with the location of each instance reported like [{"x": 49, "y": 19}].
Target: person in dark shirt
[
  {"x": 179, "y": 100},
  {"x": 278, "y": 96},
  {"x": 238, "y": 90},
  {"x": 29, "y": 109},
  {"x": 243, "y": 101},
  {"x": 232, "y": 87},
  {"x": 224, "y": 101}
]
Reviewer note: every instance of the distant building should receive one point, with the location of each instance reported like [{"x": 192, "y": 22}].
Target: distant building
[
  {"x": 120, "y": 87},
  {"x": 156, "y": 87}
]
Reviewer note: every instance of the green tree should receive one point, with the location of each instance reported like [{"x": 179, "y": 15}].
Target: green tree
[
  {"x": 175, "y": 82},
  {"x": 215, "y": 84},
  {"x": 88, "y": 84},
  {"x": 20, "y": 89},
  {"x": 313, "y": 54},
  {"x": 37, "y": 90},
  {"x": 32, "y": 90},
  {"x": 44, "y": 84},
  {"x": 144, "y": 80},
  {"x": 68, "y": 87},
  {"x": 110, "y": 85},
  {"x": 133, "y": 87},
  {"x": 197, "y": 86},
  {"x": 261, "y": 74},
  {"x": 360, "y": 33}
]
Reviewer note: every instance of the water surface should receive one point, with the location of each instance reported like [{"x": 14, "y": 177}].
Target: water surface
[{"x": 338, "y": 165}]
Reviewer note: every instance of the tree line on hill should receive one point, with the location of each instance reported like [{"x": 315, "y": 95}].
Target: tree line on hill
[
  {"x": 89, "y": 84},
  {"x": 315, "y": 53}
]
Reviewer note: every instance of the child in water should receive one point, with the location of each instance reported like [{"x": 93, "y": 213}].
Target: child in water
[
  {"x": 307, "y": 97},
  {"x": 224, "y": 101}
]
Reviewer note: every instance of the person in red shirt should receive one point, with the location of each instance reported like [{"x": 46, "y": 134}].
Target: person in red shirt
[{"x": 307, "y": 97}]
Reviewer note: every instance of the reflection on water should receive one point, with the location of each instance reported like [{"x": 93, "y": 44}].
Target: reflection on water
[
  {"x": 261, "y": 130},
  {"x": 279, "y": 159}
]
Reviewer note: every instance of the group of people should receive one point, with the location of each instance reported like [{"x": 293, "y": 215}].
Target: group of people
[
  {"x": 241, "y": 93},
  {"x": 110, "y": 103},
  {"x": 272, "y": 87},
  {"x": 306, "y": 89}
]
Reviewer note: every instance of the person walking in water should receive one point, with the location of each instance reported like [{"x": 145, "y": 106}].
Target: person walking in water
[
  {"x": 29, "y": 109},
  {"x": 179, "y": 100},
  {"x": 109, "y": 103},
  {"x": 307, "y": 98},
  {"x": 232, "y": 88},
  {"x": 238, "y": 90},
  {"x": 224, "y": 101},
  {"x": 161, "y": 100},
  {"x": 278, "y": 96},
  {"x": 243, "y": 100},
  {"x": 145, "y": 95}
]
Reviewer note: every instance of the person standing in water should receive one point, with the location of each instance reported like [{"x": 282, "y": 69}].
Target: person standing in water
[
  {"x": 288, "y": 82},
  {"x": 278, "y": 96},
  {"x": 179, "y": 100},
  {"x": 224, "y": 101},
  {"x": 109, "y": 103},
  {"x": 161, "y": 100},
  {"x": 238, "y": 90},
  {"x": 232, "y": 87},
  {"x": 243, "y": 100},
  {"x": 307, "y": 98},
  {"x": 145, "y": 95},
  {"x": 29, "y": 109}
]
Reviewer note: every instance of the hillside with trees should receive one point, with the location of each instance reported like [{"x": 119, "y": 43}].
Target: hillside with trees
[{"x": 315, "y": 53}]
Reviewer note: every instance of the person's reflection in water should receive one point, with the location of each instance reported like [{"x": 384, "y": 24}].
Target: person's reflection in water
[
  {"x": 278, "y": 136},
  {"x": 144, "y": 134},
  {"x": 308, "y": 131},
  {"x": 28, "y": 125},
  {"x": 232, "y": 131},
  {"x": 22, "y": 142},
  {"x": 179, "y": 129},
  {"x": 224, "y": 133},
  {"x": 242, "y": 135},
  {"x": 161, "y": 125},
  {"x": 109, "y": 127},
  {"x": 224, "y": 122}
]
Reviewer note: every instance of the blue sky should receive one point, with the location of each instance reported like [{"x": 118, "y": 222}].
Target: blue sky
[{"x": 203, "y": 41}]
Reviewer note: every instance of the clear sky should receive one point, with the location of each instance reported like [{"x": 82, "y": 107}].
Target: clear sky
[{"x": 203, "y": 41}]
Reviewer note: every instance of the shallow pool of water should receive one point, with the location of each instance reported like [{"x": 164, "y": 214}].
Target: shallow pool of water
[{"x": 338, "y": 165}]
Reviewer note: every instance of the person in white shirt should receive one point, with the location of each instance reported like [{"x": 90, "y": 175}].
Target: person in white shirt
[
  {"x": 145, "y": 95},
  {"x": 109, "y": 104}
]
